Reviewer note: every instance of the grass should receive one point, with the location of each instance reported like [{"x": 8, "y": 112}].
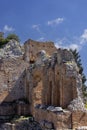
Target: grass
[
  {"x": 86, "y": 105},
  {"x": 19, "y": 118}
]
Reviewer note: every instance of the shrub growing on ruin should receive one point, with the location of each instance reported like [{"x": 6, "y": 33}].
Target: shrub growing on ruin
[{"x": 13, "y": 36}]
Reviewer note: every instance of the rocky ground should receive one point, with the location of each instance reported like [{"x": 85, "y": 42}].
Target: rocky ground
[{"x": 26, "y": 124}]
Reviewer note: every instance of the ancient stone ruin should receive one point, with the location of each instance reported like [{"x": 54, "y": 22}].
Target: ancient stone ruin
[{"x": 42, "y": 81}]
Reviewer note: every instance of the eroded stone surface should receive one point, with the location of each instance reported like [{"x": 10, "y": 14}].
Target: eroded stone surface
[
  {"x": 47, "y": 79},
  {"x": 11, "y": 49}
]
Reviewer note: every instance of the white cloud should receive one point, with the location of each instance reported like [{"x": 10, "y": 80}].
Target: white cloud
[
  {"x": 83, "y": 38},
  {"x": 58, "y": 46},
  {"x": 36, "y": 27},
  {"x": 60, "y": 43},
  {"x": 68, "y": 44},
  {"x": 41, "y": 39},
  {"x": 8, "y": 28},
  {"x": 71, "y": 46},
  {"x": 84, "y": 35},
  {"x": 74, "y": 42},
  {"x": 74, "y": 46},
  {"x": 86, "y": 82},
  {"x": 55, "y": 21}
]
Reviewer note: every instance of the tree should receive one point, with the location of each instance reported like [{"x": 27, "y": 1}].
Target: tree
[
  {"x": 79, "y": 64},
  {"x": 3, "y": 40},
  {"x": 1, "y": 35},
  {"x": 13, "y": 36}
]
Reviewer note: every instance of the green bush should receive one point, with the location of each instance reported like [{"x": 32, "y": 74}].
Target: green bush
[
  {"x": 13, "y": 36},
  {"x": 86, "y": 105},
  {"x": 3, "y": 42}
]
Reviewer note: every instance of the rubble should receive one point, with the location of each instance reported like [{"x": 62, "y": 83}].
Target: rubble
[
  {"x": 46, "y": 125},
  {"x": 76, "y": 105}
]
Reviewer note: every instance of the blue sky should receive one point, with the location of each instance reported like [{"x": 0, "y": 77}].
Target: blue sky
[{"x": 61, "y": 21}]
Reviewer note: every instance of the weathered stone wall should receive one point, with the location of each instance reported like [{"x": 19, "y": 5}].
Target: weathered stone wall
[
  {"x": 58, "y": 82},
  {"x": 7, "y": 109},
  {"x": 58, "y": 89},
  {"x": 12, "y": 79},
  {"x": 33, "y": 47},
  {"x": 79, "y": 119},
  {"x": 14, "y": 109},
  {"x": 34, "y": 87},
  {"x": 50, "y": 120},
  {"x": 61, "y": 120},
  {"x": 55, "y": 81},
  {"x": 51, "y": 79},
  {"x": 23, "y": 109},
  {"x": 21, "y": 124}
]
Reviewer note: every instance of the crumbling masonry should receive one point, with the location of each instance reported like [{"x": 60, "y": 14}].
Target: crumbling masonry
[{"x": 48, "y": 78}]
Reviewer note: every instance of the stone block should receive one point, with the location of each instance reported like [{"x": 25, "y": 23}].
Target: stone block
[{"x": 48, "y": 125}]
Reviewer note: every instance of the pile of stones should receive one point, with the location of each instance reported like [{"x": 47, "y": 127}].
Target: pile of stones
[
  {"x": 27, "y": 124},
  {"x": 45, "y": 125},
  {"x": 49, "y": 108},
  {"x": 77, "y": 104}
]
